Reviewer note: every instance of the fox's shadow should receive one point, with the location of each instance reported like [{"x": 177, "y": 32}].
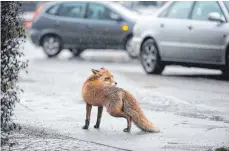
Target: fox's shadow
[{"x": 144, "y": 133}]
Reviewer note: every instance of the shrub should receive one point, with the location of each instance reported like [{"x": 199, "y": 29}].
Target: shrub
[{"x": 12, "y": 35}]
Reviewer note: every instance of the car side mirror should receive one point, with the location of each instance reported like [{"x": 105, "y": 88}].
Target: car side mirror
[
  {"x": 115, "y": 17},
  {"x": 214, "y": 16}
]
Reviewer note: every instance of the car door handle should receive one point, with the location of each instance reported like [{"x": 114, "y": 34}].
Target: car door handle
[
  {"x": 162, "y": 25},
  {"x": 190, "y": 27}
]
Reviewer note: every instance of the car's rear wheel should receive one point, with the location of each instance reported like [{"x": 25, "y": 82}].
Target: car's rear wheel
[
  {"x": 150, "y": 58},
  {"x": 76, "y": 52},
  {"x": 132, "y": 54},
  {"x": 52, "y": 45}
]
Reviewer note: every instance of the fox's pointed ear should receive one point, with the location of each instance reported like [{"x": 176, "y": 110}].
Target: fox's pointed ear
[{"x": 95, "y": 71}]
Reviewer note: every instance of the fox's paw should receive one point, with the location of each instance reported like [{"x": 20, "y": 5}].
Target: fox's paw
[
  {"x": 96, "y": 126},
  {"x": 156, "y": 130},
  {"x": 85, "y": 127},
  {"x": 126, "y": 130}
]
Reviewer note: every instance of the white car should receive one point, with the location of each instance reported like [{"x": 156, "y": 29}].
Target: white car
[{"x": 190, "y": 33}]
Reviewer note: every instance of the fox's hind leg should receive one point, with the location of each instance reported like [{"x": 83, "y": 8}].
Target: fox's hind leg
[
  {"x": 99, "y": 115},
  {"x": 88, "y": 115},
  {"x": 129, "y": 121},
  {"x": 122, "y": 114}
]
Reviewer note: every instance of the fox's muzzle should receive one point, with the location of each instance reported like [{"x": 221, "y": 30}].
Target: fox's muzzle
[{"x": 114, "y": 83}]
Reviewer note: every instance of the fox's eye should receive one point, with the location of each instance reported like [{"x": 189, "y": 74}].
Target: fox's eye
[{"x": 107, "y": 78}]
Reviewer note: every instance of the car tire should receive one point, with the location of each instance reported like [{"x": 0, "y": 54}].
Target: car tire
[
  {"x": 76, "y": 52},
  {"x": 150, "y": 57},
  {"x": 128, "y": 48},
  {"x": 226, "y": 68},
  {"x": 52, "y": 45}
]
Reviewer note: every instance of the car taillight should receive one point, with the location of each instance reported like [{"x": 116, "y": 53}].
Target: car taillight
[
  {"x": 36, "y": 13},
  {"x": 27, "y": 24}
]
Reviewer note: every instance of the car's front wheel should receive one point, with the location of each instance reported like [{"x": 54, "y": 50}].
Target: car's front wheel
[
  {"x": 51, "y": 45},
  {"x": 150, "y": 58}
]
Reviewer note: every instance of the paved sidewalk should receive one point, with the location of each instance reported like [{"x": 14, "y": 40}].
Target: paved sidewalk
[{"x": 30, "y": 139}]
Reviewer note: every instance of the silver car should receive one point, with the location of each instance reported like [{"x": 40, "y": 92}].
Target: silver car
[{"x": 190, "y": 33}]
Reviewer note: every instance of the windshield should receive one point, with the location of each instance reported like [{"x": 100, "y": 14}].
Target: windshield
[
  {"x": 227, "y": 5},
  {"x": 129, "y": 6},
  {"x": 123, "y": 10}
]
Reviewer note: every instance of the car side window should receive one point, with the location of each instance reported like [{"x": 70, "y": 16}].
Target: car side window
[
  {"x": 202, "y": 9},
  {"x": 53, "y": 10},
  {"x": 179, "y": 10},
  {"x": 75, "y": 10},
  {"x": 98, "y": 12}
]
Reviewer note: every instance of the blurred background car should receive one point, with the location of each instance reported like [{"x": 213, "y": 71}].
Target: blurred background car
[
  {"x": 143, "y": 7},
  {"x": 186, "y": 33},
  {"x": 82, "y": 25}
]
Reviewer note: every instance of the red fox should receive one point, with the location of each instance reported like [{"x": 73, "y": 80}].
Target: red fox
[{"x": 100, "y": 90}]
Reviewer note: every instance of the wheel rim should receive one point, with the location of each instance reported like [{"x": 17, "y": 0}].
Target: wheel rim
[
  {"x": 129, "y": 48},
  {"x": 149, "y": 56},
  {"x": 51, "y": 45}
]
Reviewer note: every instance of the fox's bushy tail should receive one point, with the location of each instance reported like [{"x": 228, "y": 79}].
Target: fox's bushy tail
[{"x": 132, "y": 109}]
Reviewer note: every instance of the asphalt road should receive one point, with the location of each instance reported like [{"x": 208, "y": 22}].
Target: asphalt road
[{"x": 190, "y": 105}]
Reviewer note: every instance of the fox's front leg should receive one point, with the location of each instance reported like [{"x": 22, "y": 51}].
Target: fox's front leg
[
  {"x": 88, "y": 115},
  {"x": 99, "y": 115}
]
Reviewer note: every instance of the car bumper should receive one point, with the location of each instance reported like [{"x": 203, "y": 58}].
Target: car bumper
[
  {"x": 136, "y": 45},
  {"x": 34, "y": 35}
]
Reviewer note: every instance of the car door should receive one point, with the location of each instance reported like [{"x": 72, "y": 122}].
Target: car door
[
  {"x": 206, "y": 36},
  {"x": 102, "y": 30},
  {"x": 173, "y": 25},
  {"x": 70, "y": 23}
]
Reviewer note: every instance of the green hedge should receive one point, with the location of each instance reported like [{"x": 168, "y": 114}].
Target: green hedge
[{"x": 12, "y": 35}]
